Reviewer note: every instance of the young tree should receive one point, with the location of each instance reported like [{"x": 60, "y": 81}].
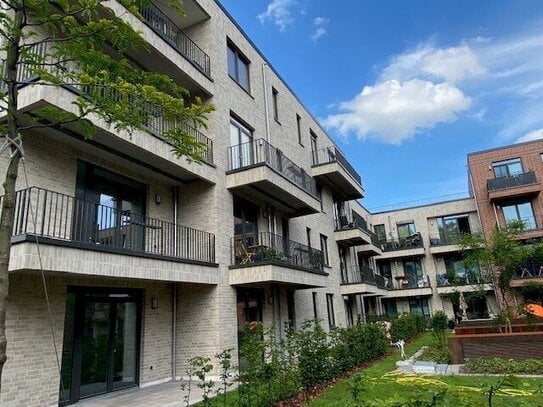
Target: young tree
[
  {"x": 82, "y": 45},
  {"x": 501, "y": 255}
]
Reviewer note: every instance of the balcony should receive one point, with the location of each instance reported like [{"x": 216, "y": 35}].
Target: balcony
[
  {"x": 528, "y": 274},
  {"x": 522, "y": 184},
  {"x": 405, "y": 247},
  {"x": 139, "y": 145},
  {"x": 352, "y": 230},
  {"x": 85, "y": 237},
  {"x": 468, "y": 281},
  {"x": 445, "y": 243},
  {"x": 274, "y": 259},
  {"x": 262, "y": 173},
  {"x": 409, "y": 286},
  {"x": 331, "y": 168},
  {"x": 170, "y": 32},
  {"x": 361, "y": 280}
]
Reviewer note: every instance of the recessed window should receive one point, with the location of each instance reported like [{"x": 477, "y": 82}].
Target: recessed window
[
  {"x": 380, "y": 232},
  {"x": 507, "y": 168},
  {"x": 315, "y": 309},
  {"x": 330, "y": 307},
  {"x": 324, "y": 249},
  {"x": 452, "y": 227},
  {"x": 275, "y": 96},
  {"x": 520, "y": 212},
  {"x": 314, "y": 148},
  {"x": 308, "y": 234},
  {"x": 238, "y": 67},
  {"x": 299, "y": 127},
  {"x": 406, "y": 230}
]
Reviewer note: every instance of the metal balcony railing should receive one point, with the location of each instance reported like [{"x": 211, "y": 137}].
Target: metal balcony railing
[
  {"x": 259, "y": 152},
  {"x": 48, "y": 214},
  {"x": 351, "y": 220},
  {"x": 161, "y": 24},
  {"x": 411, "y": 242},
  {"x": 268, "y": 248},
  {"x": 470, "y": 277},
  {"x": 155, "y": 120},
  {"x": 332, "y": 154},
  {"x": 353, "y": 274},
  {"x": 518, "y": 180},
  {"x": 446, "y": 238}
]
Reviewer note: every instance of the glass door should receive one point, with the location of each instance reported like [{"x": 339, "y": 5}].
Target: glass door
[
  {"x": 101, "y": 342},
  {"x": 241, "y": 146}
]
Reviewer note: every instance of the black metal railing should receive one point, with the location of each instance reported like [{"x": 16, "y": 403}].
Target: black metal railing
[
  {"x": 155, "y": 121},
  {"x": 259, "y": 152},
  {"x": 446, "y": 238},
  {"x": 44, "y": 213},
  {"x": 332, "y": 154},
  {"x": 524, "y": 178},
  {"x": 530, "y": 269},
  {"x": 161, "y": 24},
  {"x": 410, "y": 281},
  {"x": 411, "y": 242},
  {"x": 469, "y": 277},
  {"x": 353, "y": 274},
  {"x": 272, "y": 248},
  {"x": 352, "y": 220}
]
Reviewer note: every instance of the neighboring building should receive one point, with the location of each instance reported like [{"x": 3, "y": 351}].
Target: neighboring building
[{"x": 506, "y": 183}]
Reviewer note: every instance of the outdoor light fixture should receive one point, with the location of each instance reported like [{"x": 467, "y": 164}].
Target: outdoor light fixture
[
  {"x": 158, "y": 199},
  {"x": 154, "y": 303}
]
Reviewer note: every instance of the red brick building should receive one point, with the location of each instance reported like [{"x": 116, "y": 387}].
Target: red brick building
[{"x": 506, "y": 184}]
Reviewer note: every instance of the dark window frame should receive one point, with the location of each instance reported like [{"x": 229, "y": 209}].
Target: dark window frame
[
  {"x": 330, "y": 309},
  {"x": 315, "y": 308},
  {"x": 324, "y": 249},
  {"x": 239, "y": 57},
  {"x": 275, "y": 105},
  {"x": 299, "y": 128}
]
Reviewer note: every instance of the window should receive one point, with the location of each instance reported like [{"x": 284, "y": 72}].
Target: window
[
  {"x": 522, "y": 212},
  {"x": 385, "y": 269},
  {"x": 275, "y": 106},
  {"x": 315, "y": 313},
  {"x": 319, "y": 194},
  {"x": 380, "y": 232},
  {"x": 324, "y": 249},
  {"x": 419, "y": 307},
  {"x": 413, "y": 275},
  {"x": 238, "y": 67},
  {"x": 457, "y": 272},
  {"x": 406, "y": 229},
  {"x": 241, "y": 151},
  {"x": 507, "y": 168},
  {"x": 451, "y": 227},
  {"x": 314, "y": 153},
  {"x": 308, "y": 234},
  {"x": 299, "y": 127},
  {"x": 330, "y": 307}
]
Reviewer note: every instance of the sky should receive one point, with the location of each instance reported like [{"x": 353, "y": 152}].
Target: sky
[{"x": 408, "y": 88}]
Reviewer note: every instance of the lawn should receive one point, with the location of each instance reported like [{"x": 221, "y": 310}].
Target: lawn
[{"x": 380, "y": 389}]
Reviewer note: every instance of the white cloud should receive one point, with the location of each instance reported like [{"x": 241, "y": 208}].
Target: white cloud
[
  {"x": 533, "y": 135},
  {"x": 319, "y": 23},
  {"x": 393, "y": 111},
  {"x": 452, "y": 64},
  {"x": 280, "y": 12}
]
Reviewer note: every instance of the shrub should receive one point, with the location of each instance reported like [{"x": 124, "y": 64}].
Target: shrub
[
  {"x": 314, "y": 354},
  {"x": 505, "y": 366}
]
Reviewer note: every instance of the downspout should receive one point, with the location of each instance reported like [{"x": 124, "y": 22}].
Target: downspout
[
  {"x": 266, "y": 107},
  {"x": 174, "y": 288}
]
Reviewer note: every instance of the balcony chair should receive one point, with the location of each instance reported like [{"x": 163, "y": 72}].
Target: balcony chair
[{"x": 243, "y": 254}]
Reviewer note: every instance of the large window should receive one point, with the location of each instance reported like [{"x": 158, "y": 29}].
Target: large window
[
  {"x": 457, "y": 272},
  {"x": 380, "y": 232},
  {"x": 452, "y": 227},
  {"x": 419, "y": 307},
  {"x": 520, "y": 212},
  {"x": 507, "y": 168},
  {"x": 330, "y": 306},
  {"x": 238, "y": 67},
  {"x": 406, "y": 229},
  {"x": 314, "y": 147},
  {"x": 241, "y": 151},
  {"x": 413, "y": 274}
]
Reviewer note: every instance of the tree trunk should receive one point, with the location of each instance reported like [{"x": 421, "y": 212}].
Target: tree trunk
[{"x": 8, "y": 202}]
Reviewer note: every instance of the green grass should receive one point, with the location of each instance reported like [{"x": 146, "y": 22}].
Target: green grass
[{"x": 387, "y": 388}]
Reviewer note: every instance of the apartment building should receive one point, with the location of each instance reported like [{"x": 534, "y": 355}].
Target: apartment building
[
  {"x": 150, "y": 259},
  {"x": 408, "y": 261},
  {"x": 506, "y": 183}
]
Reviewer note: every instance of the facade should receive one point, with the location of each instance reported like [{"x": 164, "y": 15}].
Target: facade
[
  {"x": 506, "y": 183},
  {"x": 151, "y": 260}
]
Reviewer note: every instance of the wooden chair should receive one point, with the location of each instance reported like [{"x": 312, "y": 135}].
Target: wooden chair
[{"x": 242, "y": 253}]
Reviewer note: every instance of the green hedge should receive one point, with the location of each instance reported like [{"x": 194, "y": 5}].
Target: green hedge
[
  {"x": 505, "y": 366},
  {"x": 406, "y": 326}
]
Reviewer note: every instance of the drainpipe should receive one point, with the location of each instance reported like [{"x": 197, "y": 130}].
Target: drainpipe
[
  {"x": 174, "y": 288},
  {"x": 266, "y": 107}
]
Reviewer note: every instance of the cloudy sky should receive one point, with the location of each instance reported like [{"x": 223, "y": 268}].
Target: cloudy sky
[{"x": 408, "y": 88}]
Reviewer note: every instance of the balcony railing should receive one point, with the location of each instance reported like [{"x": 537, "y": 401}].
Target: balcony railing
[
  {"x": 260, "y": 152},
  {"x": 410, "y": 281},
  {"x": 411, "y": 242},
  {"x": 353, "y": 220},
  {"x": 331, "y": 155},
  {"x": 155, "y": 120},
  {"x": 60, "y": 217},
  {"x": 352, "y": 274},
  {"x": 444, "y": 239},
  {"x": 528, "y": 270},
  {"x": 271, "y": 248},
  {"x": 173, "y": 35},
  {"x": 525, "y": 178}
]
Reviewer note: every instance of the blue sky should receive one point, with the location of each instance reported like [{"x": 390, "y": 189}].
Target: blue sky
[{"x": 408, "y": 88}]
